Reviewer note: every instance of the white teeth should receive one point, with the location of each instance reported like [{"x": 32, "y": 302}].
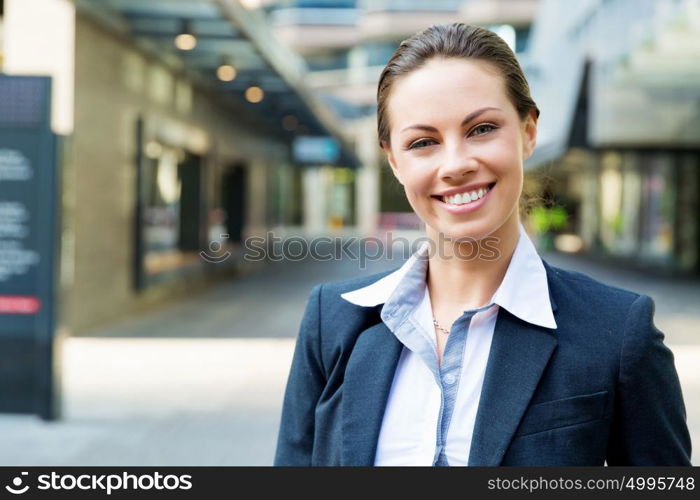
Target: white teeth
[{"x": 464, "y": 198}]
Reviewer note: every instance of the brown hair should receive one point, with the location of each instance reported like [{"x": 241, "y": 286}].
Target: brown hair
[{"x": 453, "y": 40}]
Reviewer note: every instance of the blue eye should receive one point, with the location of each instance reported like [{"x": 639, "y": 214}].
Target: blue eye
[
  {"x": 416, "y": 145},
  {"x": 484, "y": 127}
]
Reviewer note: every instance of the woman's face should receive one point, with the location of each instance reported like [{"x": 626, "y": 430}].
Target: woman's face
[{"x": 455, "y": 136}]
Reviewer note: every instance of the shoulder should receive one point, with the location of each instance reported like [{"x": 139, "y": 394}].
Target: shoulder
[
  {"x": 572, "y": 286},
  {"x": 336, "y": 320},
  {"x": 598, "y": 311}
]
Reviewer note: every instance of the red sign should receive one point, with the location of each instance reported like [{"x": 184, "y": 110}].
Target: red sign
[{"x": 19, "y": 304}]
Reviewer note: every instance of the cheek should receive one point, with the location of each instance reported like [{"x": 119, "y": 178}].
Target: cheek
[
  {"x": 504, "y": 160},
  {"x": 417, "y": 176},
  {"x": 503, "y": 155}
]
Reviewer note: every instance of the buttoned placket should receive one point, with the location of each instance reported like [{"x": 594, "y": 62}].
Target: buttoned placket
[
  {"x": 447, "y": 376},
  {"x": 403, "y": 314}
]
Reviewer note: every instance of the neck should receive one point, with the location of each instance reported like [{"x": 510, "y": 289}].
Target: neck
[{"x": 466, "y": 275}]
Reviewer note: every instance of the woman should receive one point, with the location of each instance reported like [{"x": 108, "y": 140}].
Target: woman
[{"x": 475, "y": 351}]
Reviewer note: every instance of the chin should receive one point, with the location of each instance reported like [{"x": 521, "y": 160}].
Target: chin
[{"x": 466, "y": 231}]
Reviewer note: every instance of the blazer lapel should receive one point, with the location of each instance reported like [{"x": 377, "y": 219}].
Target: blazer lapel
[
  {"x": 368, "y": 378},
  {"x": 519, "y": 354}
]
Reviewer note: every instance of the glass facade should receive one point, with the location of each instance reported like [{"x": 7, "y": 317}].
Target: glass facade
[
  {"x": 635, "y": 205},
  {"x": 171, "y": 209},
  {"x": 688, "y": 225},
  {"x": 658, "y": 210}
]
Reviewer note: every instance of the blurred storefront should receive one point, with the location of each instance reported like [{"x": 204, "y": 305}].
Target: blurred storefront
[
  {"x": 618, "y": 85},
  {"x": 635, "y": 205}
]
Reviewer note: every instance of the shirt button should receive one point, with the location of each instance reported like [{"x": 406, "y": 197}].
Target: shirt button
[{"x": 449, "y": 379}]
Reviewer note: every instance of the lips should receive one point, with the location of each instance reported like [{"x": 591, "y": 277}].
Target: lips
[{"x": 458, "y": 205}]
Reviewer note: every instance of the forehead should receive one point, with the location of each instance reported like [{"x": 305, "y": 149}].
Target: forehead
[{"x": 444, "y": 86}]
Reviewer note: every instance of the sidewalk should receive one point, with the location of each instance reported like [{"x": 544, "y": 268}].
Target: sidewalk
[
  {"x": 159, "y": 402},
  {"x": 200, "y": 382}
]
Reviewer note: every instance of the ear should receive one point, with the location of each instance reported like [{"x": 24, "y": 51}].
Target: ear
[
  {"x": 392, "y": 161},
  {"x": 529, "y": 130}
]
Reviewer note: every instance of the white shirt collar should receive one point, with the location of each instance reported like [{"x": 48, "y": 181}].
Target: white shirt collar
[{"x": 524, "y": 291}]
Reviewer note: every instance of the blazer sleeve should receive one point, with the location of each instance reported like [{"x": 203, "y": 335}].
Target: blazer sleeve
[
  {"x": 649, "y": 418},
  {"x": 304, "y": 386}
]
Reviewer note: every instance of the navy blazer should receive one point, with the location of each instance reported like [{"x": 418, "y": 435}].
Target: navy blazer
[{"x": 600, "y": 388}]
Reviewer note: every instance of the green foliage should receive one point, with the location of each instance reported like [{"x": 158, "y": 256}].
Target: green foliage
[
  {"x": 544, "y": 220},
  {"x": 618, "y": 224}
]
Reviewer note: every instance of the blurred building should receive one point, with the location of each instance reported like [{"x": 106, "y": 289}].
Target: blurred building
[
  {"x": 618, "y": 83},
  {"x": 178, "y": 124}
]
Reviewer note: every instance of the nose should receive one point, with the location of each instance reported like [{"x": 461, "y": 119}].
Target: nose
[{"x": 457, "y": 162}]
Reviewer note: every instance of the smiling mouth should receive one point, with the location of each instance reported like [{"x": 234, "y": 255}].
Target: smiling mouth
[{"x": 466, "y": 197}]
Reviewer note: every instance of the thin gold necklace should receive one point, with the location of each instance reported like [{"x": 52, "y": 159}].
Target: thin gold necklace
[{"x": 442, "y": 329}]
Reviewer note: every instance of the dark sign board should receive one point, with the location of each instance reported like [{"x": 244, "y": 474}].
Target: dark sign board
[{"x": 28, "y": 247}]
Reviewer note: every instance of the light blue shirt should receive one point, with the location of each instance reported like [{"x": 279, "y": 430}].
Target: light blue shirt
[{"x": 431, "y": 409}]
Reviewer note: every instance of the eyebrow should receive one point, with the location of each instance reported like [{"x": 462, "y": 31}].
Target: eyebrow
[{"x": 466, "y": 120}]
